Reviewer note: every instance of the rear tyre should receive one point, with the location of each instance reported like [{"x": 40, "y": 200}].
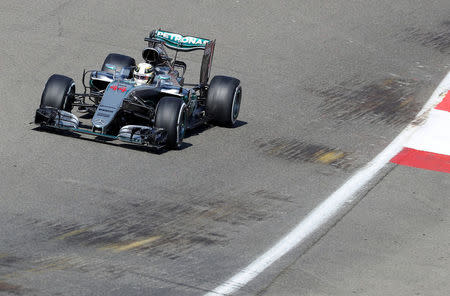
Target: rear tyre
[
  {"x": 224, "y": 100},
  {"x": 59, "y": 92},
  {"x": 171, "y": 114},
  {"x": 118, "y": 60}
]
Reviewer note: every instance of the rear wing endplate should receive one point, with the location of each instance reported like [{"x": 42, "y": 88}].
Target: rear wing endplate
[{"x": 205, "y": 68}]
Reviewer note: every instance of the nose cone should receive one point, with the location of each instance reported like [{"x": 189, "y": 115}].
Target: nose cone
[{"x": 109, "y": 105}]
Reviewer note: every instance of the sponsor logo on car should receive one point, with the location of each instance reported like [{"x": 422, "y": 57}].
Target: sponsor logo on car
[
  {"x": 175, "y": 39},
  {"x": 98, "y": 121}
]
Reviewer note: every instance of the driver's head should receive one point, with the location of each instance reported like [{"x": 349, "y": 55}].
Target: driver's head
[{"x": 143, "y": 73}]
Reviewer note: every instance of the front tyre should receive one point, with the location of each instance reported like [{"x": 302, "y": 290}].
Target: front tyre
[
  {"x": 224, "y": 100},
  {"x": 59, "y": 92},
  {"x": 171, "y": 114}
]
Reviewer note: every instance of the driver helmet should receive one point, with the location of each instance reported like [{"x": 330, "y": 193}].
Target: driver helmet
[{"x": 143, "y": 73}]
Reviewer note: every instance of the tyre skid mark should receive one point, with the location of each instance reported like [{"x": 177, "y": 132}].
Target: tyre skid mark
[
  {"x": 438, "y": 39},
  {"x": 164, "y": 226},
  {"x": 391, "y": 100},
  {"x": 296, "y": 150},
  {"x": 10, "y": 288}
]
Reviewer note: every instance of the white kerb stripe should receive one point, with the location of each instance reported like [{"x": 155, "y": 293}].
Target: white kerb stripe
[
  {"x": 329, "y": 207},
  {"x": 434, "y": 135}
]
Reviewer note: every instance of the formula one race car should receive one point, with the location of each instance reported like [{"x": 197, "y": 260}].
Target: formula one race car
[{"x": 147, "y": 104}]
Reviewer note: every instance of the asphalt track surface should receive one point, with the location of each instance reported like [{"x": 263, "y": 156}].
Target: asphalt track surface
[{"x": 326, "y": 87}]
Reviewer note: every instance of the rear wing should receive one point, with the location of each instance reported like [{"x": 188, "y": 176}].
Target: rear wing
[{"x": 179, "y": 42}]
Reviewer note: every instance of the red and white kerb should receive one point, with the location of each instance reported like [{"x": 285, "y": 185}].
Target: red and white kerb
[{"x": 429, "y": 147}]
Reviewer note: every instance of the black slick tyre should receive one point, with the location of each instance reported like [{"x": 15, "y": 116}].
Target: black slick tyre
[
  {"x": 118, "y": 60},
  {"x": 171, "y": 114},
  {"x": 224, "y": 100},
  {"x": 59, "y": 92}
]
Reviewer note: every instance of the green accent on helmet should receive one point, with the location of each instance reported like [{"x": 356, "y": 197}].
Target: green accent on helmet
[{"x": 110, "y": 67}]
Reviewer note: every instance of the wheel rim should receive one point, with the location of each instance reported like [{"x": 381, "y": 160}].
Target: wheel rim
[
  {"x": 69, "y": 97},
  {"x": 181, "y": 124},
  {"x": 236, "y": 104}
]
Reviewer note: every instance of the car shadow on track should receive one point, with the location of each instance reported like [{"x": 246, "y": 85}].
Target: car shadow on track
[
  {"x": 198, "y": 130},
  {"x": 115, "y": 143},
  {"x": 110, "y": 142}
]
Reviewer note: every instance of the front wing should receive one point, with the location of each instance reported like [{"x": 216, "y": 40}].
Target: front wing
[{"x": 134, "y": 134}]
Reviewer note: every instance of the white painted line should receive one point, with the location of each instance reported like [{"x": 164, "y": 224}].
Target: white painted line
[{"x": 324, "y": 212}]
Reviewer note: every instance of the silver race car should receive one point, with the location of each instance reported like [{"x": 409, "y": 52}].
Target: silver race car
[{"x": 148, "y": 103}]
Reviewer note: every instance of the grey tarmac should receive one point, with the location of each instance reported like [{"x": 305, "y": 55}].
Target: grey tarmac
[{"x": 327, "y": 85}]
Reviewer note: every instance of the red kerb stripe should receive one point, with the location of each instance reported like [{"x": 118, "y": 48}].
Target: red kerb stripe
[
  {"x": 423, "y": 160},
  {"x": 445, "y": 104}
]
